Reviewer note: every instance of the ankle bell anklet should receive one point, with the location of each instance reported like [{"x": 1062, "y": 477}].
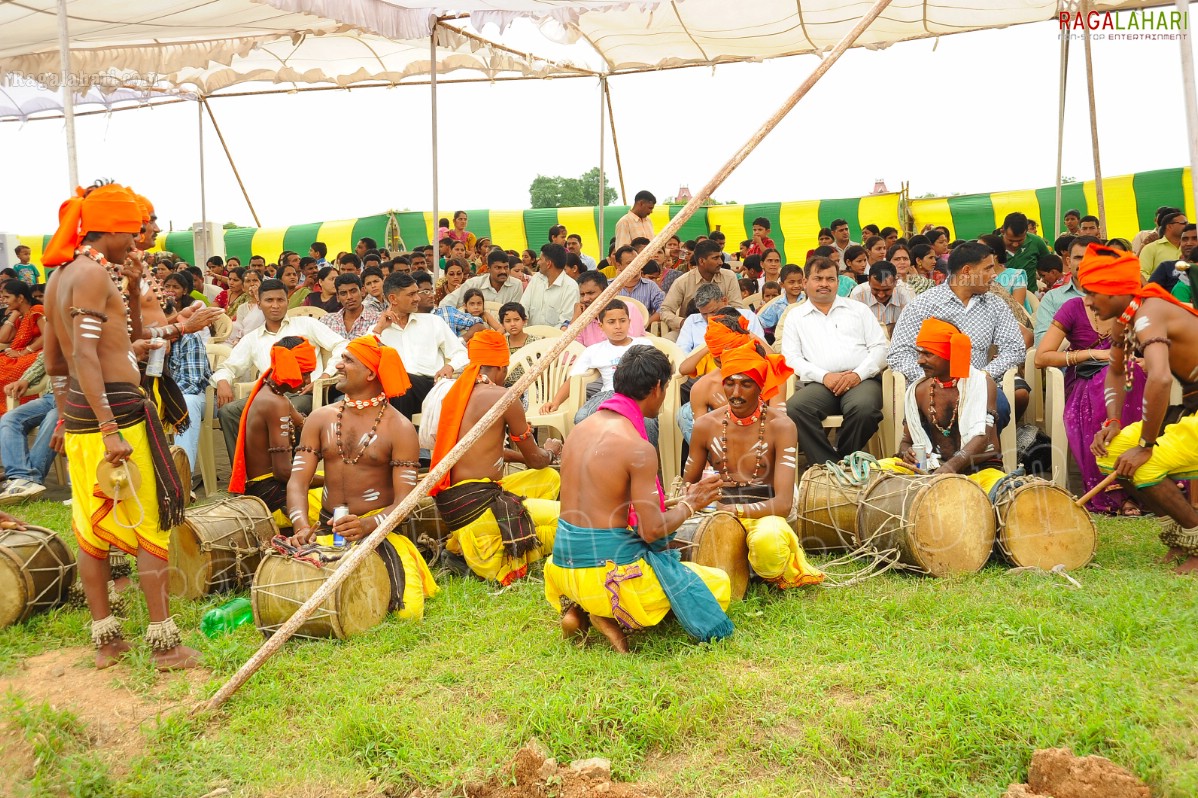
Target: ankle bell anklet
[
  {"x": 105, "y": 631},
  {"x": 164, "y": 635}
]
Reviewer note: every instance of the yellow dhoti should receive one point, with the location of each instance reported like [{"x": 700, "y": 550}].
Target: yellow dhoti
[
  {"x": 1175, "y": 455},
  {"x": 418, "y": 579},
  {"x": 776, "y": 555},
  {"x": 480, "y": 542},
  {"x": 986, "y": 478},
  {"x": 98, "y": 523}
]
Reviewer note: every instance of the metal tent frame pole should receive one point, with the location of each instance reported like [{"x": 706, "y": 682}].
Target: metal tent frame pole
[
  {"x": 611, "y": 120},
  {"x": 602, "y": 169},
  {"x": 1061, "y": 130},
  {"x": 229, "y": 156},
  {"x": 1094, "y": 126},
  {"x": 432, "y": 57},
  {"x": 68, "y": 94},
  {"x": 1188, "y": 88},
  {"x": 202, "y": 250}
]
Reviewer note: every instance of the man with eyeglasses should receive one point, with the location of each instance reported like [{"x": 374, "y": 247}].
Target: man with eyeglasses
[{"x": 1165, "y": 248}]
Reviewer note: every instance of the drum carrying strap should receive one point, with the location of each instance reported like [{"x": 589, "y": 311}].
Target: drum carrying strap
[{"x": 1009, "y": 482}]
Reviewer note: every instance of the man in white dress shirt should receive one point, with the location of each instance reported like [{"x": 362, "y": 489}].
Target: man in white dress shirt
[
  {"x": 495, "y": 285},
  {"x": 251, "y": 356},
  {"x": 837, "y": 349},
  {"x": 428, "y": 348},
  {"x": 551, "y": 295}
]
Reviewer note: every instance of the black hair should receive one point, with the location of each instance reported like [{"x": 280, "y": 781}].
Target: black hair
[
  {"x": 895, "y": 247},
  {"x": 772, "y": 284},
  {"x": 320, "y": 248},
  {"x": 183, "y": 280},
  {"x": 1049, "y": 263},
  {"x": 823, "y": 252},
  {"x": 371, "y": 257},
  {"x": 270, "y": 284},
  {"x": 752, "y": 263},
  {"x": 705, "y": 249},
  {"x": 325, "y": 271},
  {"x": 836, "y": 223},
  {"x": 592, "y": 276},
  {"x": 997, "y": 246},
  {"x": 556, "y": 254},
  {"x": 870, "y": 228},
  {"x": 215, "y": 260},
  {"x": 852, "y": 253},
  {"x": 1085, "y": 241},
  {"x": 621, "y": 251},
  {"x": 369, "y": 242},
  {"x": 818, "y": 264},
  {"x": 747, "y": 284},
  {"x": 824, "y": 232},
  {"x": 640, "y": 370},
  {"x": 969, "y": 253},
  {"x": 347, "y": 279},
  {"x": 919, "y": 252},
  {"x": 761, "y": 221},
  {"x": 882, "y": 271},
  {"x": 644, "y": 196},
  {"x": 1094, "y": 219},
  {"x": 18, "y": 288},
  {"x": 419, "y": 278},
  {"x": 1062, "y": 244},
  {"x": 556, "y": 230},
  {"x": 651, "y": 267},
  {"x": 885, "y": 232},
  {"x": 1073, "y": 212},
  {"x": 195, "y": 271},
  {"x": 471, "y": 293},
  {"x": 935, "y": 234},
  {"x": 370, "y": 271},
  {"x": 1015, "y": 222},
  {"x": 639, "y": 241},
  {"x": 615, "y": 304},
  {"x": 917, "y": 239},
  {"x": 306, "y": 261},
  {"x": 512, "y": 307},
  {"x": 576, "y": 262},
  {"x": 349, "y": 258},
  {"x": 497, "y": 256},
  {"x": 787, "y": 271},
  {"x": 873, "y": 241},
  {"x": 398, "y": 281},
  {"x": 447, "y": 241}
]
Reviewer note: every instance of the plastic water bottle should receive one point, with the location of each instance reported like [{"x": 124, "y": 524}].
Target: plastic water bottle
[
  {"x": 227, "y": 617},
  {"x": 156, "y": 358},
  {"x": 710, "y": 472}
]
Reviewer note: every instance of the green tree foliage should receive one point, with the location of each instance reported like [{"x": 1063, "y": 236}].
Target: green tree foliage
[{"x": 555, "y": 191}]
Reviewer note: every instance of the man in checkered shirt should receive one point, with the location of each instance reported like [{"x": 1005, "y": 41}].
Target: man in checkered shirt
[{"x": 965, "y": 301}]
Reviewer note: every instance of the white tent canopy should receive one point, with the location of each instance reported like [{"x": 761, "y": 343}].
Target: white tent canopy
[{"x": 23, "y": 103}]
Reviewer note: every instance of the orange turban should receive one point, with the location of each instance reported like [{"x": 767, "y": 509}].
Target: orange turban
[
  {"x": 769, "y": 371},
  {"x": 945, "y": 340},
  {"x": 288, "y": 366},
  {"x": 1109, "y": 272},
  {"x": 147, "y": 207},
  {"x": 107, "y": 209},
  {"x": 719, "y": 338},
  {"x": 383, "y": 361},
  {"x": 489, "y": 348}
]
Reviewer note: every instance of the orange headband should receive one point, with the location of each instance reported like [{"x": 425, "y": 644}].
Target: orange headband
[
  {"x": 769, "y": 371},
  {"x": 288, "y": 366},
  {"x": 1109, "y": 272},
  {"x": 489, "y": 348},
  {"x": 719, "y": 338},
  {"x": 107, "y": 209},
  {"x": 383, "y": 361},
  {"x": 944, "y": 340}
]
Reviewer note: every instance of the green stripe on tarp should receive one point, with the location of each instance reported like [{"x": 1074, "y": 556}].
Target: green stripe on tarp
[
  {"x": 772, "y": 211},
  {"x": 183, "y": 245},
  {"x": 238, "y": 243},
  {"x": 973, "y": 215},
  {"x": 1154, "y": 189},
  {"x": 300, "y": 237},
  {"x": 846, "y": 209},
  {"x": 693, "y": 227},
  {"x": 412, "y": 229},
  {"x": 611, "y": 215},
  {"x": 479, "y": 223},
  {"x": 370, "y": 227},
  {"x": 536, "y": 226},
  {"x": 1072, "y": 196}
]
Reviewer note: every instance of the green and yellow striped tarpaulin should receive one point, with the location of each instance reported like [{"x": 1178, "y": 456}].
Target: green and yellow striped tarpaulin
[{"x": 1130, "y": 202}]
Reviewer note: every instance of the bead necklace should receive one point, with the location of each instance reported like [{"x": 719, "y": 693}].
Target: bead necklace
[
  {"x": 750, "y": 420},
  {"x": 1130, "y": 344},
  {"x": 362, "y": 404},
  {"x": 949, "y": 383},
  {"x": 365, "y": 442},
  {"x": 760, "y": 447},
  {"x": 945, "y": 431},
  {"x": 114, "y": 272}
]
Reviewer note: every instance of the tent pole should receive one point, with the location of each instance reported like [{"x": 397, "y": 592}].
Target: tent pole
[
  {"x": 1188, "y": 87},
  {"x": 229, "y": 155},
  {"x": 1061, "y": 128},
  {"x": 68, "y": 94},
  {"x": 432, "y": 56},
  {"x": 602, "y": 248},
  {"x": 1094, "y": 127},
  {"x": 203, "y": 248},
  {"x": 367, "y": 545},
  {"x": 611, "y": 120}
]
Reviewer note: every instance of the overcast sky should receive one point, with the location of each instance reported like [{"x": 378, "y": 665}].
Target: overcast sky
[{"x": 967, "y": 113}]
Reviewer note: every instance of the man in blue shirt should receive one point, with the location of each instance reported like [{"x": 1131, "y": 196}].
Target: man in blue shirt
[
  {"x": 1053, "y": 299},
  {"x": 710, "y": 298}
]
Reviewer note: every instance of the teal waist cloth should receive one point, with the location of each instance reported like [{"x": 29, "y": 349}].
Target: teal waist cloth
[{"x": 693, "y": 603}]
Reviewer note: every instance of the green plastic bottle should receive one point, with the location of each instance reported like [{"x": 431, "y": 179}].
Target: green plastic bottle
[{"x": 227, "y": 617}]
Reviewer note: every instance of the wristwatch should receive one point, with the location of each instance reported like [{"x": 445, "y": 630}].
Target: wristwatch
[{"x": 1146, "y": 444}]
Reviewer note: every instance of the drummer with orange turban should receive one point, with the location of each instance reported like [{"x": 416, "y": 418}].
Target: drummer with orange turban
[
  {"x": 1155, "y": 326},
  {"x": 956, "y": 405},
  {"x": 371, "y": 456},
  {"x": 753, "y": 445},
  {"x": 498, "y": 524},
  {"x": 270, "y": 428}
]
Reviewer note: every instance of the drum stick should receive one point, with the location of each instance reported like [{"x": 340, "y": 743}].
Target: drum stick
[{"x": 1097, "y": 489}]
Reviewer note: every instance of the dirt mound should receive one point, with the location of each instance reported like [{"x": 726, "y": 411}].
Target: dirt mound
[
  {"x": 1057, "y": 773},
  {"x": 534, "y": 774}
]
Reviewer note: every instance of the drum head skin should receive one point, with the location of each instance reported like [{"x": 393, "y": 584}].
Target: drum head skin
[
  {"x": 16, "y": 587},
  {"x": 217, "y": 547},
  {"x": 282, "y": 585},
  {"x": 1041, "y": 526},
  {"x": 37, "y": 570},
  {"x": 718, "y": 541},
  {"x": 827, "y": 512}
]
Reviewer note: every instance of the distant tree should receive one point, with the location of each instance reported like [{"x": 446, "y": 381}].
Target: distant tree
[{"x": 555, "y": 191}]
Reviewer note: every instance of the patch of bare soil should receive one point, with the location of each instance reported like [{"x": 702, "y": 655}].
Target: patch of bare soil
[
  {"x": 1057, "y": 773},
  {"x": 112, "y": 713}
]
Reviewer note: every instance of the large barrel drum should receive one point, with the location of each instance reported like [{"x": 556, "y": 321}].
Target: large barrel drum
[
  {"x": 36, "y": 572},
  {"x": 717, "y": 540},
  {"x": 1040, "y": 525},
  {"x": 283, "y": 583},
  {"x": 218, "y": 546}
]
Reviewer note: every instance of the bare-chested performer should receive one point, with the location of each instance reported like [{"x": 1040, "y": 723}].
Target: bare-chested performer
[
  {"x": 1153, "y": 324},
  {"x": 610, "y": 564},
  {"x": 956, "y": 405},
  {"x": 753, "y": 445},
  {"x": 726, "y": 329},
  {"x": 270, "y": 429},
  {"x": 370, "y": 455},
  {"x": 107, "y": 419},
  {"x": 499, "y": 524}
]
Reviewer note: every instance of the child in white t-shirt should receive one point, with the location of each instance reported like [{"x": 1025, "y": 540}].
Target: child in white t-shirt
[{"x": 603, "y": 356}]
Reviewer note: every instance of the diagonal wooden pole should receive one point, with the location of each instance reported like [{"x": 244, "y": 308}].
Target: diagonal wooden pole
[
  {"x": 229, "y": 155},
  {"x": 632, "y": 272},
  {"x": 1098, "y": 192}
]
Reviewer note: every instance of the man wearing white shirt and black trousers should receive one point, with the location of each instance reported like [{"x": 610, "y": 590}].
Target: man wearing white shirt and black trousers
[
  {"x": 251, "y": 357},
  {"x": 428, "y": 348},
  {"x": 837, "y": 349}
]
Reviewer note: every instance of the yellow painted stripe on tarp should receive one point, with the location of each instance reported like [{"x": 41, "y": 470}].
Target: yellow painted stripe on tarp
[
  {"x": 660, "y": 217},
  {"x": 268, "y": 242},
  {"x": 1119, "y": 199},
  {"x": 430, "y": 224},
  {"x": 730, "y": 219},
  {"x": 338, "y": 236},
  {"x": 933, "y": 210},
  {"x": 582, "y": 221},
  {"x": 35, "y": 251},
  {"x": 507, "y": 230},
  {"x": 1024, "y": 202},
  {"x": 799, "y": 222},
  {"x": 1187, "y": 185},
  {"x": 879, "y": 209}
]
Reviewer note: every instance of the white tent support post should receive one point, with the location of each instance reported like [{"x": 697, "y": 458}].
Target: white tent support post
[
  {"x": 611, "y": 120},
  {"x": 229, "y": 156},
  {"x": 203, "y": 187},
  {"x": 68, "y": 94},
  {"x": 495, "y": 413},
  {"x": 1094, "y": 127},
  {"x": 602, "y": 173},
  {"x": 432, "y": 82},
  {"x": 1061, "y": 131},
  {"x": 1188, "y": 88}
]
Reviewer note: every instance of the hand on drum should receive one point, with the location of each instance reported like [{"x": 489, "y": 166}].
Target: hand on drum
[
  {"x": 9, "y": 522},
  {"x": 302, "y": 537},
  {"x": 705, "y": 491},
  {"x": 1103, "y": 439}
]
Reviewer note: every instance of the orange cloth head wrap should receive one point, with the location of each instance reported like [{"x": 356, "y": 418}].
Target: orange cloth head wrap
[
  {"x": 383, "y": 361},
  {"x": 719, "y": 338},
  {"x": 769, "y": 371},
  {"x": 944, "y": 340},
  {"x": 288, "y": 366},
  {"x": 1109, "y": 272},
  {"x": 107, "y": 209},
  {"x": 489, "y": 348},
  {"x": 147, "y": 207}
]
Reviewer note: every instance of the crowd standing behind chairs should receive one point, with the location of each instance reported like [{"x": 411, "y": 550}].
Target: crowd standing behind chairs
[{"x": 850, "y": 326}]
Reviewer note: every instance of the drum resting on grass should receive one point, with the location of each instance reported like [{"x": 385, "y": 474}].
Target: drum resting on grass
[
  {"x": 717, "y": 540},
  {"x": 283, "y": 583},
  {"x": 827, "y": 511},
  {"x": 1040, "y": 525},
  {"x": 36, "y": 573},
  {"x": 937, "y": 525},
  {"x": 218, "y": 545}
]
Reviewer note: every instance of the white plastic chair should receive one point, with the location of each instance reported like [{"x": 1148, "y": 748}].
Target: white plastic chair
[
  {"x": 546, "y": 385},
  {"x": 543, "y": 331},
  {"x": 669, "y": 434},
  {"x": 217, "y": 354}
]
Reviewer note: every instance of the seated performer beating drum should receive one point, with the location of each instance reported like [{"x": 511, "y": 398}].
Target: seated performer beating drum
[
  {"x": 956, "y": 406},
  {"x": 498, "y": 524},
  {"x": 364, "y": 443},
  {"x": 753, "y": 446},
  {"x": 610, "y": 564},
  {"x": 270, "y": 428},
  {"x": 1152, "y": 323}
]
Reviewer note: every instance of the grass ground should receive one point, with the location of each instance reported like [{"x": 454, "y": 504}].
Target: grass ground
[{"x": 901, "y": 686}]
